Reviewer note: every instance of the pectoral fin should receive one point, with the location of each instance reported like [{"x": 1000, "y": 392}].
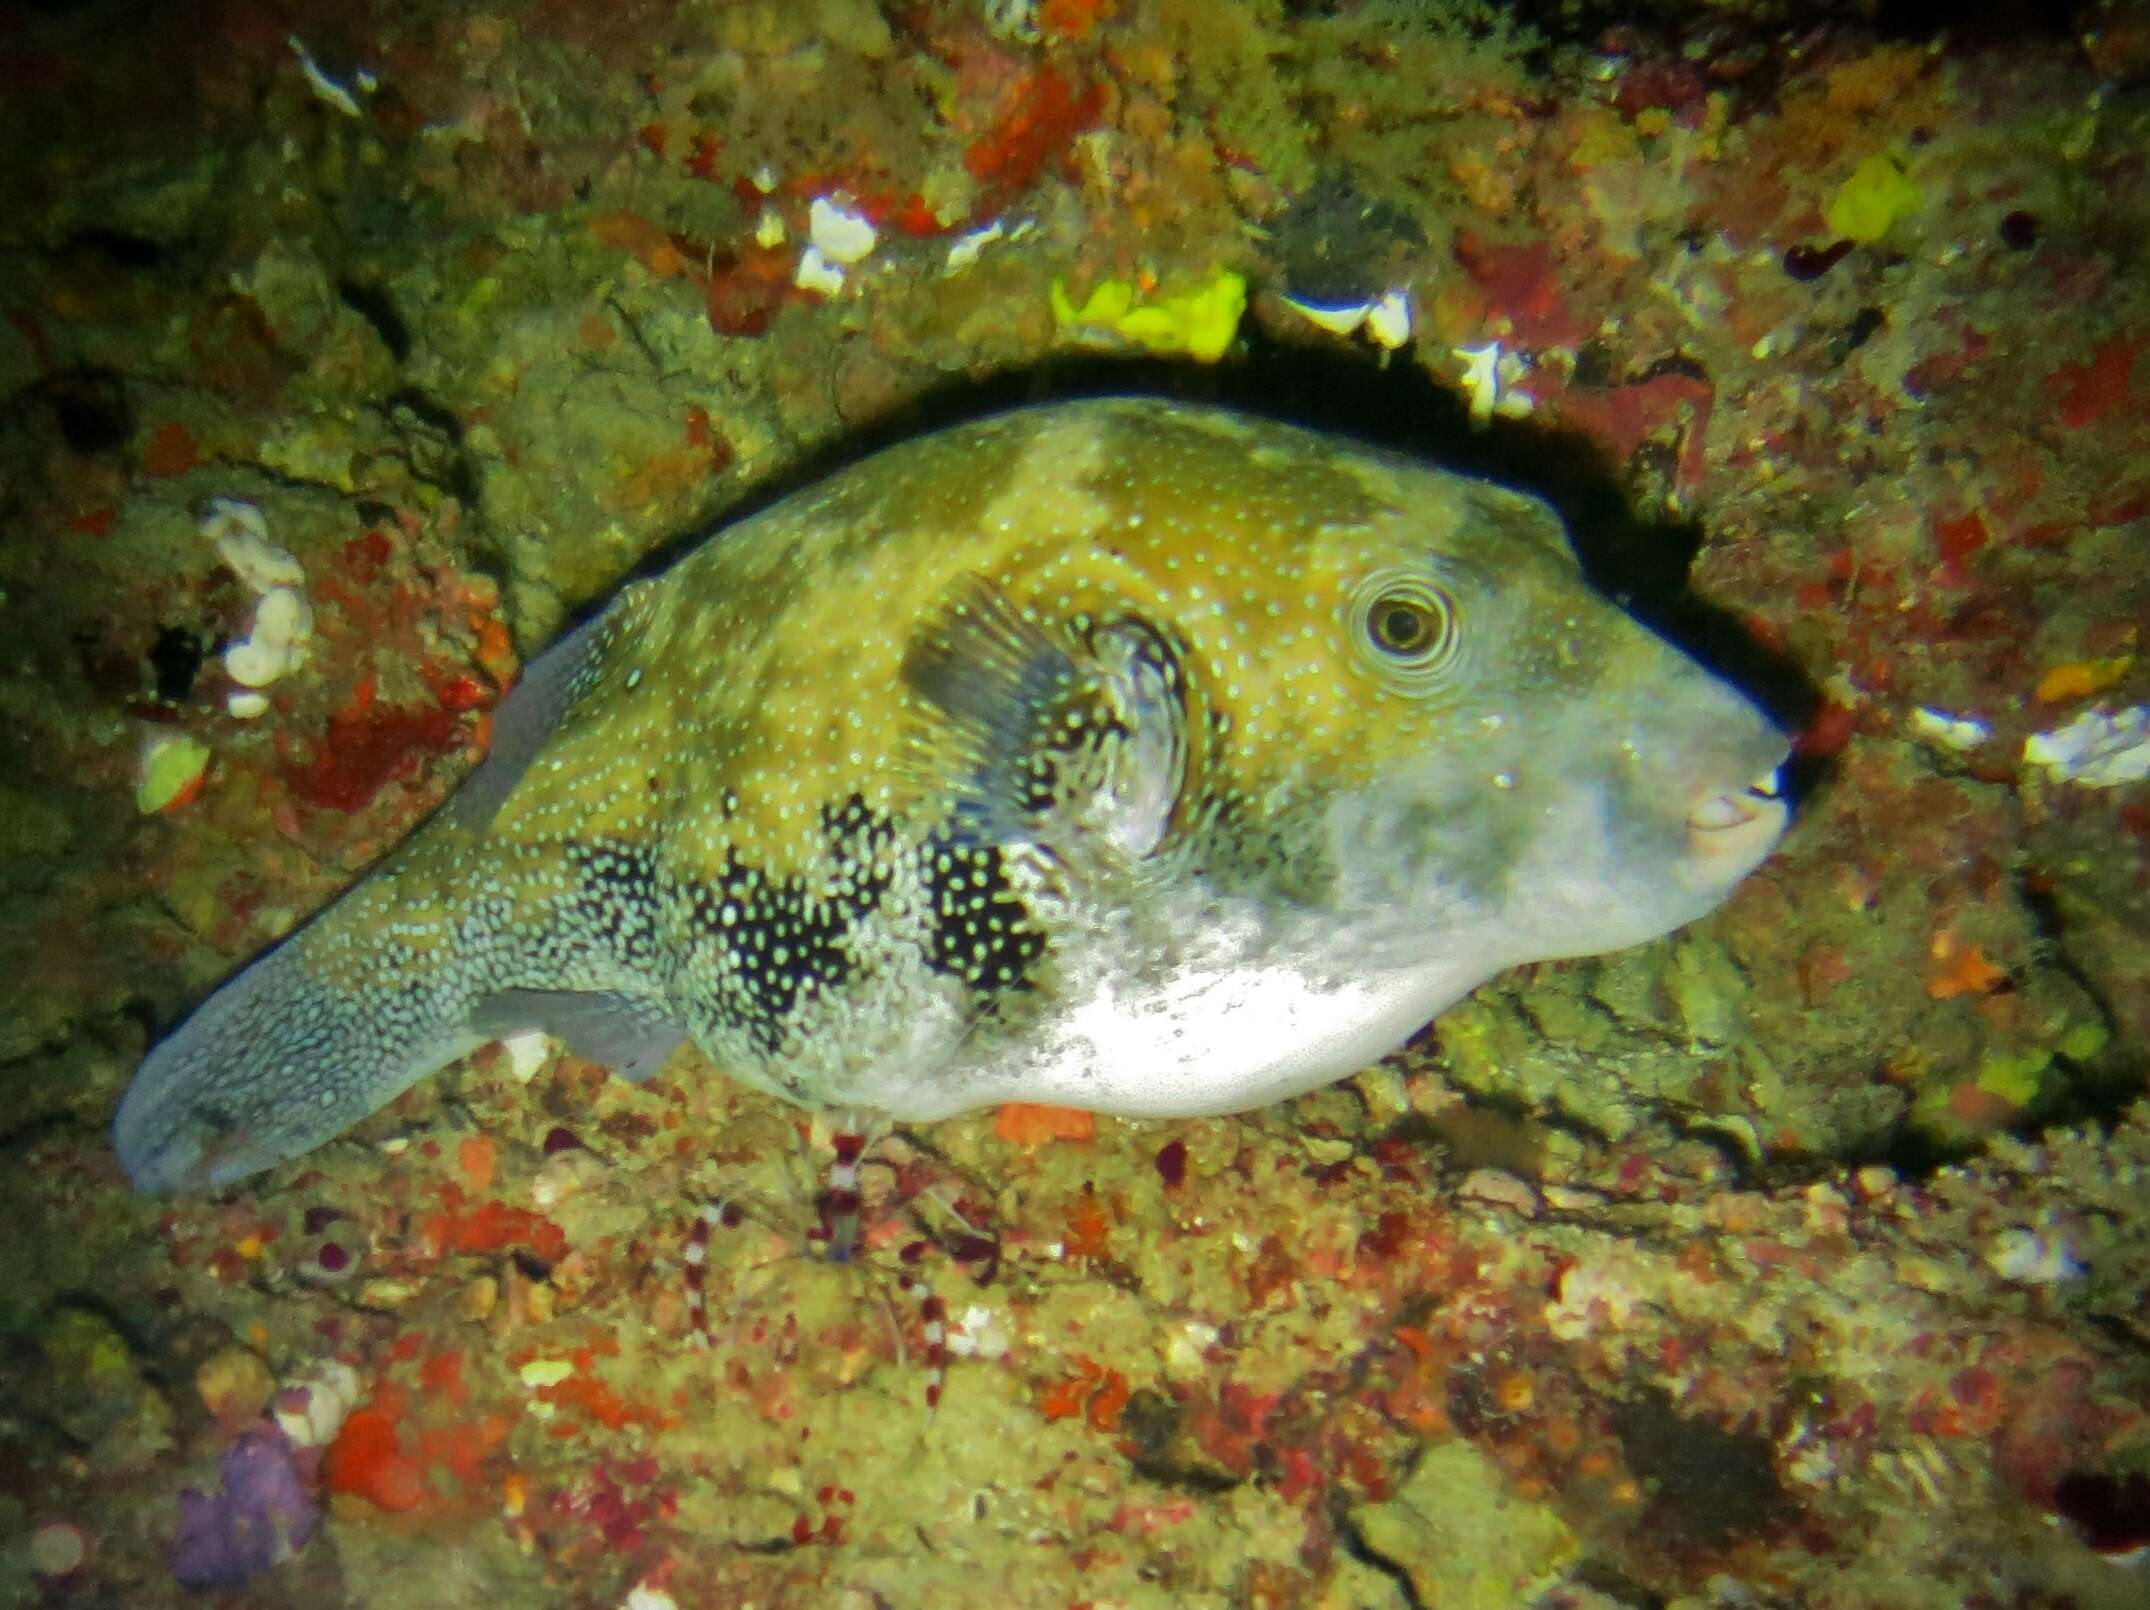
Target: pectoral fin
[
  {"x": 632, "y": 1037},
  {"x": 1046, "y": 736}
]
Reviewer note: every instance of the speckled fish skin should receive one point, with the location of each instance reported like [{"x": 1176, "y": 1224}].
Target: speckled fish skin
[{"x": 1116, "y": 754}]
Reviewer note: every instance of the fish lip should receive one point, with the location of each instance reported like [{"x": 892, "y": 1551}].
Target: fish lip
[
  {"x": 1738, "y": 825},
  {"x": 177, "y": 1164}
]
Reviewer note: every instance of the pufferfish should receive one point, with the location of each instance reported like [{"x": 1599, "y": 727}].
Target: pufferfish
[{"x": 1114, "y": 754}]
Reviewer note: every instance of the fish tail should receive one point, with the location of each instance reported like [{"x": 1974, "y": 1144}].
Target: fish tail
[
  {"x": 394, "y": 980},
  {"x": 290, "y": 1052}
]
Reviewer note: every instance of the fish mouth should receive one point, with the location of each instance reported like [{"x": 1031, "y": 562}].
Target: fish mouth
[{"x": 1730, "y": 833}]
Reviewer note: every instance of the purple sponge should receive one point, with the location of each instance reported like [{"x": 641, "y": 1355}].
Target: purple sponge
[{"x": 263, "y": 1514}]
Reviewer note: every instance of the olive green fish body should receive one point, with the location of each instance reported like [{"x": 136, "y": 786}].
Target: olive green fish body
[{"x": 1117, "y": 754}]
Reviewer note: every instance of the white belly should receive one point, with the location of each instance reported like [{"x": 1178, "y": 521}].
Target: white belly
[
  {"x": 1224, "y": 1042},
  {"x": 1206, "y": 1038}
]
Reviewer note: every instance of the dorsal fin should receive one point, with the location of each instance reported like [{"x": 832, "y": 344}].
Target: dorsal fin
[
  {"x": 1045, "y": 736},
  {"x": 526, "y": 719}
]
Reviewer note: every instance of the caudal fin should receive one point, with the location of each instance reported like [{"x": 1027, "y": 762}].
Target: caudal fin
[
  {"x": 370, "y": 997},
  {"x": 273, "y": 1064}
]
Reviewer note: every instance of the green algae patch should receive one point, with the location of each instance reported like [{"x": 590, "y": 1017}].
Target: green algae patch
[{"x": 1464, "y": 1541}]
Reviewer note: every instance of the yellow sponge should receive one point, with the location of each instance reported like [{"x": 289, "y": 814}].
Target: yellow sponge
[
  {"x": 1200, "y": 322},
  {"x": 1877, "y": 194}
]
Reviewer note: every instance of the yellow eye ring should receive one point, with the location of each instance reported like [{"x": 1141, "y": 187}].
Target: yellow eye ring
[{"x": 1410, "y": 627}]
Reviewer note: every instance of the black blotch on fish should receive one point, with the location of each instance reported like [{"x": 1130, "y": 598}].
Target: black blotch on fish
[
  {"x": 783, "y": 938},
  {"x": 981, "y": 929},
  {"x": 617, "y": 895}
]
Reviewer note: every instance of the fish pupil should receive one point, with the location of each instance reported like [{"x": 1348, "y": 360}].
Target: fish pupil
[{"x": 1401, "y": 628}]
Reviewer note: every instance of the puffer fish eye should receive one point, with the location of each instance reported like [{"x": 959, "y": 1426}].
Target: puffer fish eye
[
  {"x": 1410, "y": 626},
  {"x": 1402, "y": 627}
]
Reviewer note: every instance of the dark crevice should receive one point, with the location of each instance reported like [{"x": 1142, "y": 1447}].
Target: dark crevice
[
  {"x": 1967, "y": 22},
  {"x": 1616, "y": 1585},
  {"x": 175, "y": 660},
  {"x": 90, "y": 409},
  {"x": 433, "y": 415},
  {"x": 33, "y": 1131},
  {"x": 2051, "y": 929},
  {"x": 2097, "y": 1095},
  {"x": 1984, "y": 22},
  {"x": 2123, "y": 1335},
  {"x": 1151, "y": 1423},
  {"x": 1912, "y": 1154},
  {"x": 1355, "y": 1545},
  {"x": 374, "y": 305},
  {"x": 433, "y": 438},
  {"x": 143, "y": 1013},
  {"x": 1862, "y": 328},
  {"x": 118, "y": 247},
  {"x": 1189, "y": 1479},
  {"x": 1710, "y": 1488}
]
